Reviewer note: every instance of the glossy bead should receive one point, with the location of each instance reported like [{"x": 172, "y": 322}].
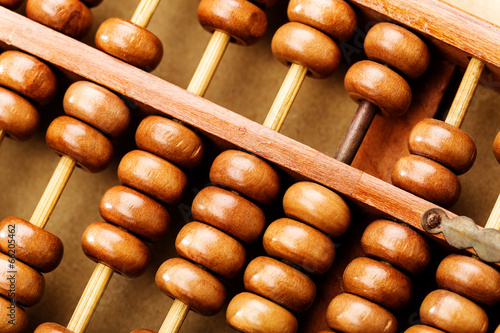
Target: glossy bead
[
  {"x": 211, "y": 248},
  {"x": 28, "y": 76},
  {"x": 18, "y": 117},
  {"x": 229, "y": 212},
  {"x": 377, "y": 282},
  {"x": 183, "y": 280},
  {"x": 452, "y": 313},
  {"x": 97, "y": 106},
  {"x": 11, "y": 4},
  {"x": 299, "y": 244},
  {"x": 242, "y": 20},
  {"x": 334, "y": 17},
  {"x": 135, "y": 212},
  {"x": 300, "y": 44},
  {"x": 116, "y": 248},
  {"x": 25, "y": 285},
  {"x": 130, "y": 43},
  {"x": 153, "y": 176},
  {"x": 496, "y": 147},
  {"x": 246, "y": 174},
  {"x": 33, "y": 245},
  {"x": 397, "y": 244},
  {"x": 15, "y": 319},
  {"x": 71, "y": 17},
  {"x": 87, "y": 146},
  {"x": 317, "y": 206},
  {"x": 397, "y": 47},
  {"x": 251, "y": 313},
  {"x": 427, "y": 179},
  {"x": 470, "y": 278},
  {"x": 443, "y": 143},
  {"x": 280, "y": 283},
  {"x": 351, "y": 313},
  {"x": 377, "y": 84},
  {"x": 423, "y": 329},
  {"x": 170, "y": 140},
  {"x": 51, "y": 328}
]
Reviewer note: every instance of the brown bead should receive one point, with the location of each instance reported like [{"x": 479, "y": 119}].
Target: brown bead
[
  {"x": 87, "y": 146},
  {"x": 351, "y": 313},
  {"x": 265, "y": 3},
  {"x": 470, "y": 278},
  {"x": 297, "y": 43},
  {"x": 299, "y": 244},
  {"x": 211, "y": 248},
  {"x": 27, "y": 76},
  {"x": 397, "y": 244},
  {"x": 116, "y": 248},
  {"x": 377, "y": 282},
  {"x": 423, "y": 329},
  {"x": 18, "y": 117},
  {"x": 170, "y": 140},
  {"x": 92, "y": 3},
  {"x": 496, "y": 147},
  {"x": 246, "y": 174},
  {"x": 334, "y": 17},
  {"x": 317, "y": 206},
  {"x": 153, "y": 176},
  {"x": 32, "y": 245},
  {"x": 13, "y": 318},
  {"x": 11, "y": 4},
  {"x": 397, "y": 47},
  {"x": 242, "y": 20},
  {"x": 280, "y": 283},
  {"x": 71, "y": 17},
  {"x": 443, "y": 143},
  {"x": 51, "y": 328},
  {"x": 97, "y": 106},
  {"x": 452, "y": 313},
  {"x": 135, "y": 212},
  {"x": 251, "y": 313},
  {"x": 377, "y": 84},
  {"x": 130, "y": 43},
  {"x": 229, "y": 212},
  {"x": 427, "y": 179},
  {"x": 497, "y": 330},
  {"x": 183, "y": 280}
]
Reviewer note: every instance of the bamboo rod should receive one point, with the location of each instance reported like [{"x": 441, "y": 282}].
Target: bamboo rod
[
  {"x": 144, "y": 12},
  {"x": 494, "y": 218},
  {"x": 175, "y": 317}
]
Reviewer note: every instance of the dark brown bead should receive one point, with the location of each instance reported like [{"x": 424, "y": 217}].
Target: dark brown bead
[
  {"x": 92, "y": 3},
  {"x": 423, "y": 329},
  {"x": 13, "y": 318},
  {"x": 51, "y": 328},
  {"x": 18, "y": 117},
  {"x": 265, "y": 3},
  {"x": 11, "y": 4}
]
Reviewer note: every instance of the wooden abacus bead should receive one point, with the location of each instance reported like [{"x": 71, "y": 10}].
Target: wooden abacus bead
[
  {"x": 317, "y": 206},
  {"x": 170, "y": 140},
  {"x": 153, "y": 176},
  {"x": 183, "y": 280},
  {"x": 396, "y": 244},
  {"x": 242, "y": 20},
  {"x": 211, "y": 248},
  {"x": 423, "y": 329},
  {"x": 300, "y": 244},
  {"x": 51, "y": 328},
  {"x": 87, "y": 146},
  {"x": 246, "y": 174},
  {"x": 443, "y": 143},
  {"x": 470, "y": 278},
  {"x": 130, "y": 43},
  {"x": 135, "y": 212},
  {"x": 496, "y": 147},
  {"x": 351, "y": 313},
  {"x": 229, "y": 212},
  {"x": 452, "y": 313},
  {"x": 71, "y": 17},
  {"x": 33, "y": 245},
  {"x": 333, "y": 17},
  {"x": 27, "y": 76},
  {"x": 427, "y": 179},
  {"x": 251, "y": 313},
  {"x": 25, "y": 285},
  {"x": 379, "y": 85},
  {"x": 301, "y": 44},
  {"x": 280, "y": 283},
  {"x": 11, "y": 4},
  {"x": 397, "y": 47},
  {"x": 97, "y": 106},
  {"x": 377, "y": 282},
  {"x": 14, "y": 318},
  {"x": 18, "y": 117},
  {"x": 116, "y": 248}
]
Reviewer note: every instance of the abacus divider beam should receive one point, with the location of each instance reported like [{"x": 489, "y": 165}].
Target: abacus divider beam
[
  {"x": 494, "y": 218},
  {"x": 2, "y": 135},
  {"x": 175, "y": 317},
  {"x": 53, "y": 191},
  {"x": 144, "y": 12},
  {"x": 356, "y": 132}
]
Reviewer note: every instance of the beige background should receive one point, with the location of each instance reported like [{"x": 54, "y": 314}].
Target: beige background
[{"x": 246, "y": 83}]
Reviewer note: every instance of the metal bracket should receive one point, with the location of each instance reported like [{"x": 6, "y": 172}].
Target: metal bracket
[{"x": 462, "y": 232}]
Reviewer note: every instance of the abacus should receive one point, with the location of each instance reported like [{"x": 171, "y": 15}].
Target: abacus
[{"x": 452, "y": 37}]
